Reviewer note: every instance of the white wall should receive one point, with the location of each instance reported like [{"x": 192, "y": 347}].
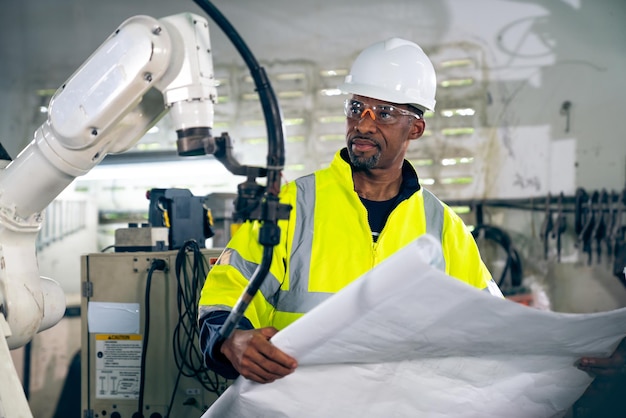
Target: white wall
[{"x": 60, "y": 259}]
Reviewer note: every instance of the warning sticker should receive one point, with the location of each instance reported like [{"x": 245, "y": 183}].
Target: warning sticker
[{"x": 118, "y": 366}]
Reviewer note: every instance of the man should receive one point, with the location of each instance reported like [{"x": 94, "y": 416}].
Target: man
[{"x": 345, "y": 219}]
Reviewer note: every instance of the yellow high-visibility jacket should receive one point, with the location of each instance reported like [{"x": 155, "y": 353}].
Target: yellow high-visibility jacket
[{"x": 326, "y": 243}]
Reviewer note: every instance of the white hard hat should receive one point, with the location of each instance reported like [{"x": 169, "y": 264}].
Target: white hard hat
[{"x": 396, "y": 71}]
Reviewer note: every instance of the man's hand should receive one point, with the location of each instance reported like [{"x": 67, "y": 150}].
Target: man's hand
[
  {"x": 255, "y": 357},
  {"x": 604, "y": 396},
  {"x": 613, "y": 366}
]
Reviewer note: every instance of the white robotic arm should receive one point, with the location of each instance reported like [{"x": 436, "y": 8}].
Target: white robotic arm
[
  {"x": 108, "y": 104},
  {"x": 146, "y": 68}
]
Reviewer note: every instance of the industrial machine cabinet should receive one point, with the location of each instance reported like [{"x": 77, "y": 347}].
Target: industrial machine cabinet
[{"x": 137, "y": 326}]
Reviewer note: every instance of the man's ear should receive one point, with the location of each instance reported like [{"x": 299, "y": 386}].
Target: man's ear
[{"x": 417, "y": 128}]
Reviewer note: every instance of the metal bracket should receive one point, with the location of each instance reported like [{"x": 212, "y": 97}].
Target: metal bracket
[
  {"x": 87, "y": 289},
  {"x": 143, "y": 264}
]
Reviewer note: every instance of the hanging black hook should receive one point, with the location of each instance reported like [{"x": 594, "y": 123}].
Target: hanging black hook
[{"x": 565, "y": 111}]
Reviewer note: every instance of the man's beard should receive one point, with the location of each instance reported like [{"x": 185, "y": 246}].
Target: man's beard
[{"x": 364, "y": 163}]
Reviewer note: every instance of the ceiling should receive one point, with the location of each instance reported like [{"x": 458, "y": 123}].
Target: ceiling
[{"x": 56, "y": 36}]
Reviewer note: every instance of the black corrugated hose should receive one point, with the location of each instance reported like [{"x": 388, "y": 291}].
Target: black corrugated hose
[{"x": 513, "y": 265}]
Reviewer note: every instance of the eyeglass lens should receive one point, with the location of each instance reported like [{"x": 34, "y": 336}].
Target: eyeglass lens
[{"x": 384, "y": 114}]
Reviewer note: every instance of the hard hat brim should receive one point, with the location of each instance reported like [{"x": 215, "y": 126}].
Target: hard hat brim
[{"x": 379, "y": 93}]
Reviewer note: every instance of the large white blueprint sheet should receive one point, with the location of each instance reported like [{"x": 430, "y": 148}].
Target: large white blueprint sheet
[{"x": 406, "y": 340}]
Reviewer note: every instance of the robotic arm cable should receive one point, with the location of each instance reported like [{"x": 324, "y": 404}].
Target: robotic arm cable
[{"x": 270, "y": 210}]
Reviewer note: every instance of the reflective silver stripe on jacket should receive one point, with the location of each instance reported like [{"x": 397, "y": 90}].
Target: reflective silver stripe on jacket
[
  {"x": 493, "y": 289},
  {"x": 270, "y": 284},
  {"x": 434, "y": 226},
  {"x": 299, "y": 298},
  {"x": 433, "y": 208}
]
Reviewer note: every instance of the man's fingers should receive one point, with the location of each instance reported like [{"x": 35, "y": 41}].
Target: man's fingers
[
  {"x": 278, "y": 357},
  {"x": 259, "y": 368},
  {"x": 271, "y": 360},
  {"x": 602, "y": 366},
  {"x": 256, "y": 358},
  {"x": 258, "y": 374},
  {"x": 268, "y": 332},
  {"x": 267, "y": 355}
]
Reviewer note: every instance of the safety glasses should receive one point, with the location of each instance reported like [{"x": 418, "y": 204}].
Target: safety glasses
[{"x": 383, "y": 114}]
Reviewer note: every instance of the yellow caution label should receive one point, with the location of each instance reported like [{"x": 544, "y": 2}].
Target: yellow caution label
[
  {"x": 118, "y": 365},
  {"x": 122, "y": 337}
]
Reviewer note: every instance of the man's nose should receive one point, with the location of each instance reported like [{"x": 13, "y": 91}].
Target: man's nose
[
  {"x": 371, "y": 112},
  {"x": 365, "y": 124}
]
